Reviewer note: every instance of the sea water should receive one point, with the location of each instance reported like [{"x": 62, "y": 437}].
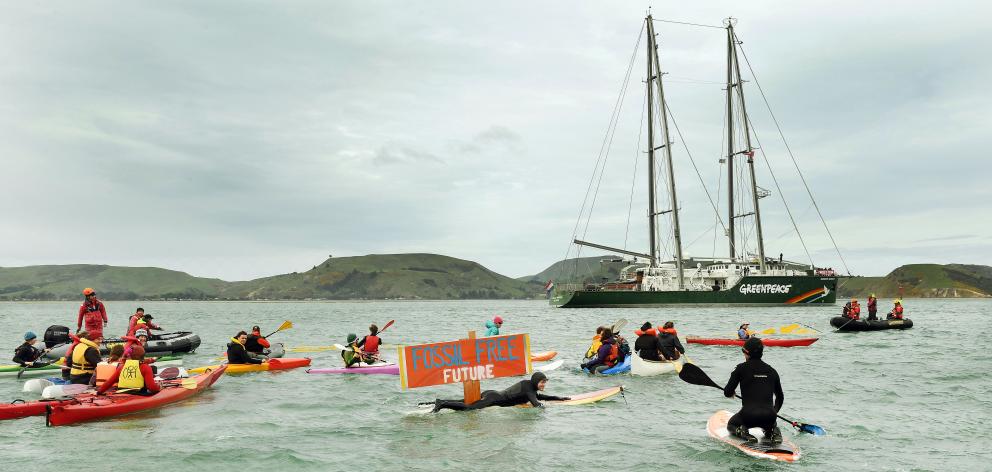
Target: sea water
[{"x": 890, "y": 400}]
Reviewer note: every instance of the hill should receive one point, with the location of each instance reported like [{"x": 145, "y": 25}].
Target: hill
[
  {"x": 923, "y": 281},
  {"x": 583, "y": 269},
  {"x": 376, "y": 276}
]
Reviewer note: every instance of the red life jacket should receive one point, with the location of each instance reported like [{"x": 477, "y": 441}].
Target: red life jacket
[
  {"x": 611, "y": 359},
  {"x": 897, "y": 312},
  {"x": 650, "y": 332},
  {"x": 669, "y": 331},
  {"x": 371, "y": 344}
]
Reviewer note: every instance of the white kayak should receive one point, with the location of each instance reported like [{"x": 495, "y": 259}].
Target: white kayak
[{"x": 646, "y": 368}]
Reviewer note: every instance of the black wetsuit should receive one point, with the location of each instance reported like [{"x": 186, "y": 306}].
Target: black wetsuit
[
  {"x": 671, "y": 347},
  {"x": 27, "y": 353},
  {"x": 648, "y": 347},
  {"x": 517, "y": 394},
  {"x": 759, "y": 382}
]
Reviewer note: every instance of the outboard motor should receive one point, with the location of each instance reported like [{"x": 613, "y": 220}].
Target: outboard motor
[{"x": 56, "y": 335}]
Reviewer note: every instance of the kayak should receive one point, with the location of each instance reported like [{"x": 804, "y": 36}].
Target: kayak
[
  {"x": 621, "y": 368},
  {"x": 784, "y": 451},
  {"x": 385, "y": 368},
  {"x": 94, "y": 407},
  {"x": 271, "y": 364},
  {"x": 12, "y": 370},
  {"x": 183, "y": 341},
  {"x": 543, "y": 356},
  {"x": 778, "y": 342},
  {"x": 583, "y": 398},
  {"x": 40, "y": 386},
  {"x": 646, "y": 368},
  {"x": 23, "y": 409},
  {"x": 549, "y": 366},
  {"x": 846, "y": 324}
]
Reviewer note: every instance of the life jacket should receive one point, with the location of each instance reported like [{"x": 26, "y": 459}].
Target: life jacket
[
  {"x": 371, "y": 344},
  {"x": 650, "y": 332},
  {"x": 594, "y": 347},
  {"x": 897, "y": 311},
  {"x": 669, "y": 331},
  {"x": 79, "y": 364},
  {"x": 856, "y": 308},
  {"x": 131, "y": 377},
  {"x": 612, "y": 357},
  {"x": 104, "y": 371}
]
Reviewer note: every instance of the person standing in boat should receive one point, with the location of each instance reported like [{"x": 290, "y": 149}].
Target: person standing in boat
[
  {"x": 647, "y": 345},
  {"x": 92, "y": 315},
  {"x": 896, "y": 313},
  {"x": 872, "y": 307},
  {"x": 668, "y": 339},
  {"x": 743, "y": 333},
  {"x": 760, "y": 385}
]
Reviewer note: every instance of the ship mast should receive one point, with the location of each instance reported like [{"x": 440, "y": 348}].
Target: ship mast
[
  {"x": 676, "y": 228},
  {"x": 734, "y": 82},
  {"x": 652, "y": 213}
]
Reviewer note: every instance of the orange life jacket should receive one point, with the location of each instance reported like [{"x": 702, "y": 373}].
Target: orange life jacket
[{"x": 611, "y": 359}]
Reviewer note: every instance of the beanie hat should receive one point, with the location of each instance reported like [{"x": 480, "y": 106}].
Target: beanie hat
[{"x": 29, "y": 336}]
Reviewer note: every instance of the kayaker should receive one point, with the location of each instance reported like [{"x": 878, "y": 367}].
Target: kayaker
[
  {"x": 256, "y": 343},
  {"x": 743, "y": 332},
  {"x": 519, "y": 393},
  {"x": 596, "y": 343},
  {"x": 759, "y": 383},
  {"x": 607, "y": 356},
  {"x": 132, "y": 375},
  {"x": 236, "y": 353},
  {"x": 92, "y": 314},
  {"x": 647, "y": 345},
  {"x": 26, "y": 355},
  {"x": 84, "y": 357},
  {"x": 370, "y": 345},
  {"x": 668, "y": 338},
  {"x": 352, "y": 354},
  {"x": 105, "y": 369},
  {"x": 494, "y": 326},
  {"x": 896, "y": 313},
  {"x": 872, "y": 307}
]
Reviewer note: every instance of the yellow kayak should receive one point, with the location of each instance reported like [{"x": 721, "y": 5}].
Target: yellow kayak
[{"x": 271, "y": 364}]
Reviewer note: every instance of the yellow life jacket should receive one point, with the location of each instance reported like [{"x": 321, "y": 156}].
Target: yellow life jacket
[
  {"x": 131, "y": 377},
  {"x": 594, "y": 347},
  {"x": 79, "y": 364},
  {"x": 104, "y": 371}
]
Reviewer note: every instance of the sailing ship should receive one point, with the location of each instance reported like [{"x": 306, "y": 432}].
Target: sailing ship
[{"x": 743, "y": 277}]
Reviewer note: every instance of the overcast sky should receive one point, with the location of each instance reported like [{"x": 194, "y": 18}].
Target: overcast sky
[{"x": 242, "y": 139}]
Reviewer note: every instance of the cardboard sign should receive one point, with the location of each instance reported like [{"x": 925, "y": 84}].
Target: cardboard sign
[{"x": 464, "y": 360}]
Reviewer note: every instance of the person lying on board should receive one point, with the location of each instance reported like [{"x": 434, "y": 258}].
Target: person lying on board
[
  {"x": 236, "y": 353},
  {"x": 759, "y": 384},
  {"x": 132, "y": 376},
  {"x": 519, "y": 393},
  {"x": 26, "y": 355}
]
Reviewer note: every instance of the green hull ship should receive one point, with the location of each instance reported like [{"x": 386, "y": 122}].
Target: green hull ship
[{"x": 746, "y": 277}]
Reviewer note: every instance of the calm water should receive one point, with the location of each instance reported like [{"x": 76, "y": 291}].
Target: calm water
[{"x": 913, "y": 400}]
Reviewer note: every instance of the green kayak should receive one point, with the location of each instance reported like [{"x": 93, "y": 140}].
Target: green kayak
[{"x": 13, "y": 369}]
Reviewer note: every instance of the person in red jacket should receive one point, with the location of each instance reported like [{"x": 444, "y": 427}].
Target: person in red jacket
[
  {"x": 142, "y": 322},
  {"x": 896, "y": 313},
  {"x": 370, "y": 345},
  {"x": 256, "y": 343},
  {"x": 133, "y": 375},
  {"x": 92, "y": 314}
]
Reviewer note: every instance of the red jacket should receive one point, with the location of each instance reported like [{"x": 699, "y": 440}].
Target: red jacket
[
  {"x": 95, "y": 315},
  {"x": 146, "y": 373}
]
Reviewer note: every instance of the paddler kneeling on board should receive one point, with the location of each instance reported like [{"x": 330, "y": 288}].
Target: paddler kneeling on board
[
  {"x": 26, "y": 355},
  {"x": 133, "y": 376},
  {"x": 519, "y": 393},
  {"x": 607, "y": 356},
  {"x": 759, "y": 384},
  {"x": 236, "y": 353}
]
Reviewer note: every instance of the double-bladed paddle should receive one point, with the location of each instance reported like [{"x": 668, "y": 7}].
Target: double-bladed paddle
[
  {"x": 47, "y": 349},
  {"x": 691, "y": 373},
  {"x": 285, "y": 325}
]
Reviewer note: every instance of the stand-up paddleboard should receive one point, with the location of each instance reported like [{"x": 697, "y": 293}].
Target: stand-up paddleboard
[{"x": 784, "y": 451}]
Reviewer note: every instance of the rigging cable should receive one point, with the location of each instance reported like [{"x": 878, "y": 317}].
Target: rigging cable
[
  {"x": 794, "y": 163},
  {"x": 633, "y": 182}
]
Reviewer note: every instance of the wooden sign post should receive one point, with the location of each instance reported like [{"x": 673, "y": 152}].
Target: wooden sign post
[{"x": 465, "y": 361}]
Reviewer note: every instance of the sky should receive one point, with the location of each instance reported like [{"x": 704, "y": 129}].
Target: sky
[{"x": 240, "y": 139}]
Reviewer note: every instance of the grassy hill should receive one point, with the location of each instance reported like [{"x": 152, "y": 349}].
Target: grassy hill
[
  {"x": 65, "y": 282},
  {"x": 924, "y": 281},
  {"x": 392, "y": 276},
  {"x": 583, "y": 269}
]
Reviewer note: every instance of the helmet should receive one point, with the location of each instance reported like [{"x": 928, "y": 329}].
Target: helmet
[
  {"x": 351, "y": 338},
  {"x": 898, "y": 302},
  {"x": 141, "y": 332},
  {"x": 88, "y": 291}
]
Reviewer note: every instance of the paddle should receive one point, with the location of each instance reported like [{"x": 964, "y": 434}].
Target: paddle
[
  {"x": 618, "y": 325},
  {"x": 285, "y": 325},
  {"x": 169, "y": 373},
  {"x": 843, "y": 325},
  {"x": 691, "y": 373}
]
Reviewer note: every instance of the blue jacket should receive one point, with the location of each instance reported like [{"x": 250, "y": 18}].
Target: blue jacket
[{"x": 493, "y": 329}]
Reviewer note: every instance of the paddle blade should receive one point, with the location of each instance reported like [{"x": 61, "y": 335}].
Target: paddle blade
[
  {"x": 387, "y": 325},
  {"x": 812, "y": 429},
  {"x": 691, "y": 373},
  {"x": 767, "y": 331},
  {"x": 285, "y": 325},
  {"x": 789, "y": 328},
  {"x": 618, "y": 325},
  {"x": 169, "y": 373}
]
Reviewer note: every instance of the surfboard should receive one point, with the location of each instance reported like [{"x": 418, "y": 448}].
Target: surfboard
[
  {"x": 785, "y": 451},
  {"x": 580, "y": 399}
]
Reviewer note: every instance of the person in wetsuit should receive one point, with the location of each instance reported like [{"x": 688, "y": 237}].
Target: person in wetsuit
[
  {"x": 519, "y": 393},
  {"x": 759, "y": 382}
]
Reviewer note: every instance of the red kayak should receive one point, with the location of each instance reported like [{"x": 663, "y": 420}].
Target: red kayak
[
  {"x": 780, "y": 342},
  {"x": 93, "y": 407},
  {"x": 23, "y": 409}
]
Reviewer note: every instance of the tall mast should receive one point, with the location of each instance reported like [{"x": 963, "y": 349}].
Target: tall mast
[
  {"x": 652, "y": 216},
  {"x": 730, "y": 136},
  {"x": 676, "y": 229}
]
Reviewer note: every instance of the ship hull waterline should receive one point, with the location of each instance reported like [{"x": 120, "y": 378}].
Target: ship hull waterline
[{"x": 750, "y": 291}]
